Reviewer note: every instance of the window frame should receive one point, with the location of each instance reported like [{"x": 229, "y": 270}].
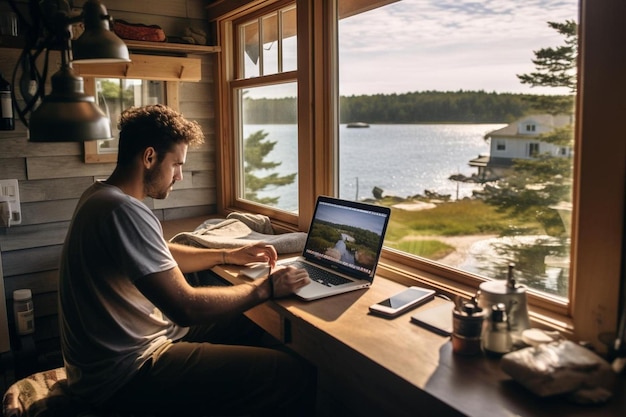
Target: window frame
[
  {"x": 597, "y": 242},
  {"x": 238, "y": 82},
  {"x": 228, "y": 82}
]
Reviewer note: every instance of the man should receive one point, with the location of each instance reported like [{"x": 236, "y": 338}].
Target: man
[{"x": 125, "y": 304}]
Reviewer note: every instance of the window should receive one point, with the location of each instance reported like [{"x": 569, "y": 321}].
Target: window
[
  {"x": 326, "y": 77},
  {"x": 423, "y": 133},
  {"x": 265, "y": 100},
  {"x": 114, "y": 95},
  {"x": 146, "y": 79}
]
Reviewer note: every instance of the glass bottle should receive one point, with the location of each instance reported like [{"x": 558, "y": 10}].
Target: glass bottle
[
  {"x": 24, "y": 312},
  {"x": 7, "y": 121}
]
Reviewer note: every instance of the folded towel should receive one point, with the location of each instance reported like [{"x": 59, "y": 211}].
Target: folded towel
[{"x": 240, "y": 229}]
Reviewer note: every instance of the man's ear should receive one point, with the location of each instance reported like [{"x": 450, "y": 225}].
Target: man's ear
[{"x": 149, "y": 157}]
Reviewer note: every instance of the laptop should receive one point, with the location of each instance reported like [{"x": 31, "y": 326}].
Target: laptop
[{"x": 342, "y": 248}]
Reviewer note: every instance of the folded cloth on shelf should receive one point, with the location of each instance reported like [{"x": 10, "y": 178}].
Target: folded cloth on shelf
[
  {"x": 138, "y": 31},
  {"x": 240, "y": 229}
]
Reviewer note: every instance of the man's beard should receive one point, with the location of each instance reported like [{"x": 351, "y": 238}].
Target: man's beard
[{"x": 151, "y": 184}]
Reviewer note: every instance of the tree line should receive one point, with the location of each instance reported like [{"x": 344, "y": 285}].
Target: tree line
[{"x": 414, "y": 107}]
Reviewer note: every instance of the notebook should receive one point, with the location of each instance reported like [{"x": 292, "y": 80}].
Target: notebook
[
  {"x": 342, "y": 248},
  {"x": 437, "y": 319}
]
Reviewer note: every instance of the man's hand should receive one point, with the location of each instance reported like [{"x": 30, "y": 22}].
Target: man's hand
[
  {"x": 287, "y": 279},
  {"x": 257, "y": 252}
]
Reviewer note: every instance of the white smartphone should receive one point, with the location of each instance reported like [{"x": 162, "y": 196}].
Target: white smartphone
[{"x": 403, "y": 301}]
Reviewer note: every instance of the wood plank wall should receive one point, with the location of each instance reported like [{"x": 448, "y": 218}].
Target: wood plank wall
[{"x": 52, "y": 176}]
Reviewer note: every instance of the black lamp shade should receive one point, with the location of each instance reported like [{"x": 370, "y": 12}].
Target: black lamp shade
[
  {"x": 98, "y": 43},
  {"x": 67, "y": 114}
]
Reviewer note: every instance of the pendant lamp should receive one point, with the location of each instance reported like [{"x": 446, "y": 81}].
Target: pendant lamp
[
  {"x": 98, "y": 43},
  {"x": 67, "y": 114}
]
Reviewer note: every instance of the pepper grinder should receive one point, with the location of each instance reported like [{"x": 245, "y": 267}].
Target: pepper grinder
[{"x": 497, "y": 338}]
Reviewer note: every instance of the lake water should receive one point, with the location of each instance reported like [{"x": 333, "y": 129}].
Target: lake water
[{"x": 403, "y": 160}]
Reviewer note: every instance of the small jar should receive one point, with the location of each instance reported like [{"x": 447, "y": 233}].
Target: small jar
[{"x": 23, "y": 312}]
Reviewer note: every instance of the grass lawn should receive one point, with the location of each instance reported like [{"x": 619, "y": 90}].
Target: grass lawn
[{"x": 457, "y": 218}]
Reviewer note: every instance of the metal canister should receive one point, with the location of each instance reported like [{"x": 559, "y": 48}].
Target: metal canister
[
  {"x": 513, "y": 296},
  {"x": 467, "y": 325}
]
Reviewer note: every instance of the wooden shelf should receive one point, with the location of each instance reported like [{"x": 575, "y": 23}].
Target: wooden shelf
[
  {"x": 167, "y": 47},
  {"x": 163, "y": 48}
]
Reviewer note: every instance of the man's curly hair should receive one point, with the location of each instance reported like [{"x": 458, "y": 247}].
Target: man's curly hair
[{"x": 157, "y": 126}]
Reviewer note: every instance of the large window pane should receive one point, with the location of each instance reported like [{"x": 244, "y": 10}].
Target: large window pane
[
  {"x": 473, "y": 157},
  {"x": 269, "y": 146},
  {"x": 266, "y": 105}
]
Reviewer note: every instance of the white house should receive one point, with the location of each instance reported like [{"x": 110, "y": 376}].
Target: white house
[{"x": 520, "y": 140}]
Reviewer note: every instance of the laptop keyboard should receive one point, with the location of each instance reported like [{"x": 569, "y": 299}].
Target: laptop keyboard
[{"x": 321, "y": 275}]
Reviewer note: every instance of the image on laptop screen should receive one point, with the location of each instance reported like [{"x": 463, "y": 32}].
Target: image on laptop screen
[{"x": 347, "y": 236}]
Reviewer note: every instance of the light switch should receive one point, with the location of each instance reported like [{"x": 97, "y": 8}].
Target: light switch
[{"x": 10, "y": 209}]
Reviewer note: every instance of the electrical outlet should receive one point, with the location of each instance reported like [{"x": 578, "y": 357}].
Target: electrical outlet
[{"x": 10, "y": 209}]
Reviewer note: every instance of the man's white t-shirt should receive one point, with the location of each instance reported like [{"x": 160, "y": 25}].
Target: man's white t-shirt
[{"x": 108, "y": 328}]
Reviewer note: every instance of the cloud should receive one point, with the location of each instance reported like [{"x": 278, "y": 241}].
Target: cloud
[{"x": 447, "y": 45}]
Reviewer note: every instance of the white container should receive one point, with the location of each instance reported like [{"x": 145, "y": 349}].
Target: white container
[{"x": 23, "y": 312}]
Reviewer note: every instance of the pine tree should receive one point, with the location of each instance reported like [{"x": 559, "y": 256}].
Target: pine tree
[
  {"x": 536, "y": 184},
  {"x": 256, "y": 150},
  {"x": 555, "y": 67}
]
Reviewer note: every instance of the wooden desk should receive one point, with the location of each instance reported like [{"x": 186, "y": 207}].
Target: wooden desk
[
  {"x": 392, "y": 368},
  {"x": 396, "y": 368}
]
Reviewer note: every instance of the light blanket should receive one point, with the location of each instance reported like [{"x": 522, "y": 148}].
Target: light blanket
[
  {"x": 45, "y": 394},
  {"x": 240, "y": 229}
]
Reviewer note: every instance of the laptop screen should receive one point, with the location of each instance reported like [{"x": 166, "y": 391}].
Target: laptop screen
[{"x": 347, "y": 236}]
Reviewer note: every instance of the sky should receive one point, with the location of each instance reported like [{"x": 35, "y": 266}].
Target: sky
[
  {"x": 354, "y": 218},
  {"x": 448, "y": 45}
]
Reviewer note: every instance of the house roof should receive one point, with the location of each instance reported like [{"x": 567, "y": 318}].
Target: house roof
[
  {"x": 492, "y": 162},
  {"x": 546, "y": 122}
]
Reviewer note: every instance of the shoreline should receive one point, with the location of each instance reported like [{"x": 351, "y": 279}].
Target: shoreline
[{"x": 461, "y": 244}]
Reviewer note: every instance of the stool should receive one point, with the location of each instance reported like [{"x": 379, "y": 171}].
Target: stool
[{"x": 44, "y": 394}]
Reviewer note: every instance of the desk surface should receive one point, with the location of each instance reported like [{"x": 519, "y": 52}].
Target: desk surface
[
  {"x": 403, "y": 369},
  {"x": 400, "y": 359}
]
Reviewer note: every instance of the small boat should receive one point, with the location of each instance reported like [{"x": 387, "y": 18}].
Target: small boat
[{"x": 358, "y": 124}]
